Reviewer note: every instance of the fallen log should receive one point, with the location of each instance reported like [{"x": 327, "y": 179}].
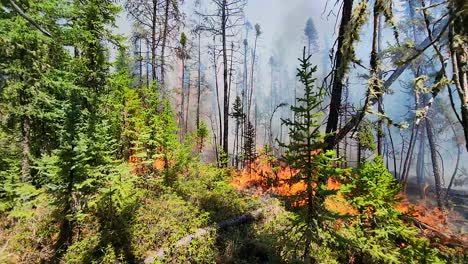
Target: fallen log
[{"x": 185, "y": 241}]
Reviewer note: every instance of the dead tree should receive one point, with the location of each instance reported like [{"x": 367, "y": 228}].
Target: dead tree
[{"x": 223, "y": 21}]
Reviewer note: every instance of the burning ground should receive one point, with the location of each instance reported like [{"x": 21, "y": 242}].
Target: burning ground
[{"x": 266, "y": 176}]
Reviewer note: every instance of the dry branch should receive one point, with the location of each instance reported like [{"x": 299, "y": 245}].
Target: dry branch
[{"x": 243, "y": 219}]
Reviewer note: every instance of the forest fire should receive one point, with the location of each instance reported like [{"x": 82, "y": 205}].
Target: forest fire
[{"x": 265, "y": 176}]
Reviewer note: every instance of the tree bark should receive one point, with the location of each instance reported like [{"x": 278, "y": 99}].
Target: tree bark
[
  {"x": 354, "y": 121},
  {"x": 199, "y": 81},
  {"x": 163, "y": 45},
  {"x": 225, "y": 79},
  {"x": 435, "y": 163},
  {"x": 337, "y": 89},
  {"x": 153, "y": 40}
]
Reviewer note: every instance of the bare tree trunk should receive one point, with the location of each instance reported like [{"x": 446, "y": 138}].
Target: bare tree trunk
[
  {"x": 421, "y": 163},
  {"x": 199, "y": 81},
  {"x": 457, "y": 164},
  {"x": 188, "y": 106},
  {"x": 337, "y": 89},
  {"x": 182, "y": 97},
  {"x": 409, "y": 156},
  {"x": 163, "y": 45},
  {"x": 225, "y": 78},
  {"x": 146, "y": 62},
  {"x": 153, "y": 40},
  {"x": 435, "y": 163},
  {"x": 140, "y": 59},
  {"x": 215, "y": 61}
]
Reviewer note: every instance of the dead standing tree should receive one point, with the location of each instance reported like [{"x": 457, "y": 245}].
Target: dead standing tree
[
  {"x": 161, "y": 18},
  {"x": 223, "y": 21}
]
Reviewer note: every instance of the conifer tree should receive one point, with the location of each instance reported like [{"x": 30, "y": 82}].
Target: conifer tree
[
  {"x": 238, "y": 114},
  {"x": 306, "y": 154},
  {"x": 249, "y": 145},
  {"x": 311, "y": 35}
]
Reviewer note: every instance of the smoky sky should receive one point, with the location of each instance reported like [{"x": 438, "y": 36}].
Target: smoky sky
[{"x": 283, "y": 23}]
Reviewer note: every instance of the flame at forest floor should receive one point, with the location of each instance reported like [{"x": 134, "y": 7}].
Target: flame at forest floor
[{"x": 265, "y": 176}]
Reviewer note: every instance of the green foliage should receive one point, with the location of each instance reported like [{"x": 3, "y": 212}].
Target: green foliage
[
  {"x": 208, "y": 188},
  {"x": 202, "y": 135},
  {"x": 366, "y": 136},
  {"x": 377, "y": 233},
  {"x": 161, "y": 222},
  {"x": 306, "y": 154},
  {"x": 249, "y": 148}
]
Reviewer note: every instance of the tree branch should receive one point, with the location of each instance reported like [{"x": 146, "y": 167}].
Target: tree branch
[{"x": 30, "y": 20}]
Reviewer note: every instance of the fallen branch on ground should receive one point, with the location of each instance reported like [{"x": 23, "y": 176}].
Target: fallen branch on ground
[{"x": 243, "y": 219}]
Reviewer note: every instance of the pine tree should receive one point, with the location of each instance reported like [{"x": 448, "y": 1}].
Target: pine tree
[
  {"x": 306, "y": 154},
  {"x": 238, "y": 114},
  {"x": 250, "y": 151},
  {"x": 311, "y": 34}
]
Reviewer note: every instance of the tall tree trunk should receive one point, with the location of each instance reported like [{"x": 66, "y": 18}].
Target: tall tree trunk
[
  {"x": 337, "y": 89},
  {"x": 146, "y": 63},
  {"x": 182, "y": 104},
  {"x": 435, "y": 162},
  {"x": 225, "y": 78},
  {"x": 421, "y": 164},
  {"x": 140, "y": 59},
  {"x": 188, "y": 106},
  {"x": 252, "y": 69},
  {"x": 199, "y": 81},
  {"x": 153, "y": 40},
  {"x": 459, "y": 57},
  {"x": 457, "y": 164},
  {"x": 380, "y": 130},
  {"x": 163, "y": 45},
  {"x": 215, "y": 61},
  {"x": 409, "y": 156}
]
